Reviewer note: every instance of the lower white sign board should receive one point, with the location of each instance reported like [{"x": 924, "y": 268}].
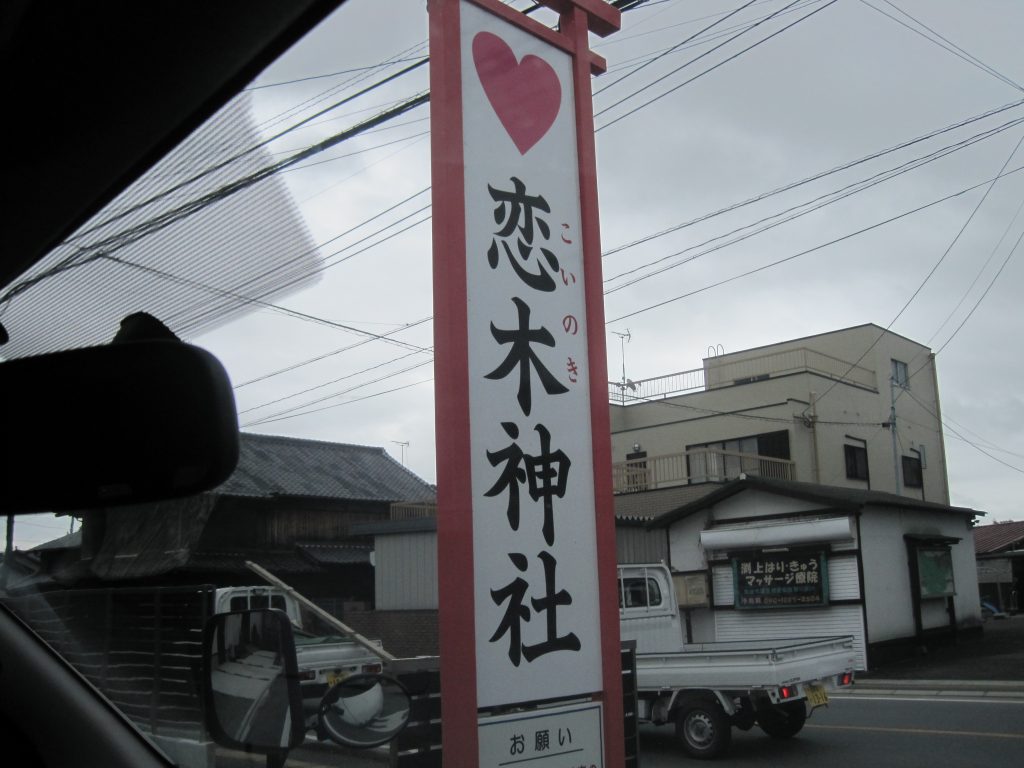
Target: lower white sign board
[{"x": 554, "y": 737}]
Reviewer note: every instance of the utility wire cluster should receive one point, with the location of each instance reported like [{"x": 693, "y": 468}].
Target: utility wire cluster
[{"x": 177, "y": 204}]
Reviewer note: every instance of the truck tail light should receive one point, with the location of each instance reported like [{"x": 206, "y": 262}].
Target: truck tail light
[
  {"x": 845, "y": 679},
  {"x": 307, "y": 674},
  {"x": 372, "y": 669},
  {"x": 787, "y": 692}
]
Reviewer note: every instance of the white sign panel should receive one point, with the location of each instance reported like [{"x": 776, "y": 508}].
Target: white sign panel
[
  {"x": 562, "y": 737},
  {"x": 535, "y": 575}
]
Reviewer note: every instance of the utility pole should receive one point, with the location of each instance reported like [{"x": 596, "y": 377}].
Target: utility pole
[
  {"x": 813, "y": 421},
  {"x": 892, "y": 429}
]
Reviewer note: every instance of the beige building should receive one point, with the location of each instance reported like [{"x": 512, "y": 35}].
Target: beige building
[{"x": 815, "y": 410}]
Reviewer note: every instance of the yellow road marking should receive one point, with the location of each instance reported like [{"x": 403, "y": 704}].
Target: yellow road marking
[{"x": 919, "y": 731}]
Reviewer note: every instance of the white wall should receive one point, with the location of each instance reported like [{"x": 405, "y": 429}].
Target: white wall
[
  {"x": 887, "y": 571},
  {"x": 760, "y": 503},
  {"x": 668, "y": 426},
  {"x": 405, "y": 575},
  {"x": 684, "y": 550}
]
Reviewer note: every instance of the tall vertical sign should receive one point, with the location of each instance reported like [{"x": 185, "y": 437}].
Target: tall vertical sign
[{"x": 526, "y": 546}]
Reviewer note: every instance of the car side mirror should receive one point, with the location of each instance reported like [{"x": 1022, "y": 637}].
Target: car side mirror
[
  {"x": 251, "y": 695},
  {"x": 365, "y": 710}
]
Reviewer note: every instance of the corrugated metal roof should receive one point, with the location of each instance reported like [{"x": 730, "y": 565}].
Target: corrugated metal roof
[
  {"x": 234, "y": 562},
  {"x": 647, "y": 505},
  {"x": 992, "y": 538},
  {"x": 387, "y": 527},
  {"x": 336, "y": 554},
  {"x": 827, "y": 495},
  {"x": 270, "y": 465}
]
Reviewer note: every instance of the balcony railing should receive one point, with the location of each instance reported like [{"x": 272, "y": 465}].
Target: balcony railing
[
  {"x": 406, "y": 511},
  {"x": 719, "y": 373},
  {"x": 696, "y": 466},
  {"x": 727, "y": 373}
]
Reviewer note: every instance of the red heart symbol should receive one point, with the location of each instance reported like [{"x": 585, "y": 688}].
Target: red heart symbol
[{"x": 525, "y": 94}]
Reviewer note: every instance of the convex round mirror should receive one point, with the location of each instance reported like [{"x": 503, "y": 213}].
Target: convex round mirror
[{"x": 365, "y": 710}]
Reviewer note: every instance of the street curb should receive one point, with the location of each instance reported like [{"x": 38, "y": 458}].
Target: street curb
[
  {"x": 945, "y": 685},
  {"x": 1005, "y": 689}
]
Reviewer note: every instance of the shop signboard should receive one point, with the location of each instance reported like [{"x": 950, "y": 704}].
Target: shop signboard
[{"x": 781, "y": 579}]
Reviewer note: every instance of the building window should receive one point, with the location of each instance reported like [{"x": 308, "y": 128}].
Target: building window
[
  {"x": 635, "y": 594},
  {"x": 856, "y": 462},
  {"x": 899, "y": 374},
  {"x": 912, "y": 477}
]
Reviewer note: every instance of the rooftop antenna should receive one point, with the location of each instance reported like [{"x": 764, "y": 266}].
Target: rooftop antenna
[
  {"x": 404, "y": 445},
  {"x": 623, "y": 338}
]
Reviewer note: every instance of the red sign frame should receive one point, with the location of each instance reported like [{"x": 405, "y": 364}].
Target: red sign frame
[{"x": 455, "y": 523}]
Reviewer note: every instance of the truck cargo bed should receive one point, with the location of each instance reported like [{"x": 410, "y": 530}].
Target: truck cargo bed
[{"x": 745, "y": 665}]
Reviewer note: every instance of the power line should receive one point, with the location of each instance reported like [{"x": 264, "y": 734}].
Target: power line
[
  {"x": 989, "y": 443},
  {"x": 327, "y": 383},
  {"x": 371, "y": 67},
  {"x": 951, "y": 47},
  {"x": 668, "y": 51},
  {"x": 815, "y": 177},
  {"x": 812, "y": 250},
  {"x": 719, "y": 64},
  {"x": 699, "y": 290},
  {"x": 760, "y": 197},
  {"x": 323, "y": 398},
  {"x": 167, "y": 218},
  {"x": 277, "y": 308},
  {"x": 325, "y": 355},
  {"x": 942, "y": 258},
  {"x": 969, "y": 442},
  {"x": 400, "y": 109},
  {"x": 981, "y": 271},
  {"x": 985, "y": 293},
  {"x": 904, "y": 144},
  {"x": 336, "y": 405},
  {"x": 795, "y": 212}
]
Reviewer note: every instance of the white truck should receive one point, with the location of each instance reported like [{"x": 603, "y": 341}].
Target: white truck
[
  {"x": 704, "y": 689},
  {"x": 324, "y": 656}
]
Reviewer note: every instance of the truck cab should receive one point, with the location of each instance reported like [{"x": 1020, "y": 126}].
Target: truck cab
[{"x": 648, "y": 611}]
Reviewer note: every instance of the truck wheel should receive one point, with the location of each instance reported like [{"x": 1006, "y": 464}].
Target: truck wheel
[
  {"x": 703, "y": 729},
  {"x": 782, "y": 721}
]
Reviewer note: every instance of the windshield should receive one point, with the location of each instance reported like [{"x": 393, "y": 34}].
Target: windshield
[{"x": 810, "y": 212}]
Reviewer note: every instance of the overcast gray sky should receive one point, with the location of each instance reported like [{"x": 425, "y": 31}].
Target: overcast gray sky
[{"x": 845, "y": 83}]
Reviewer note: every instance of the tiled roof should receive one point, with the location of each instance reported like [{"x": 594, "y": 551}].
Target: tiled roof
[
  {"x": 270, "y": 465},
  {"x": 827, "y": 495},
  {"x": 998, "y": 536}
]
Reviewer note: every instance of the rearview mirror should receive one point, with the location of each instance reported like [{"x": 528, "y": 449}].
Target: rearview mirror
[
  {"x": 122, "y": 423},
  {"x": 251, "y": 691}
]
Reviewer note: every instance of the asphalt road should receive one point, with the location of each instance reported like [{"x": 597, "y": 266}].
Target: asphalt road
[{"x": 866, "y": 732}]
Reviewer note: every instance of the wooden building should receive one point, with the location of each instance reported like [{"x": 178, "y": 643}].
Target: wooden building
[{"x": 290, "y": 506}]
